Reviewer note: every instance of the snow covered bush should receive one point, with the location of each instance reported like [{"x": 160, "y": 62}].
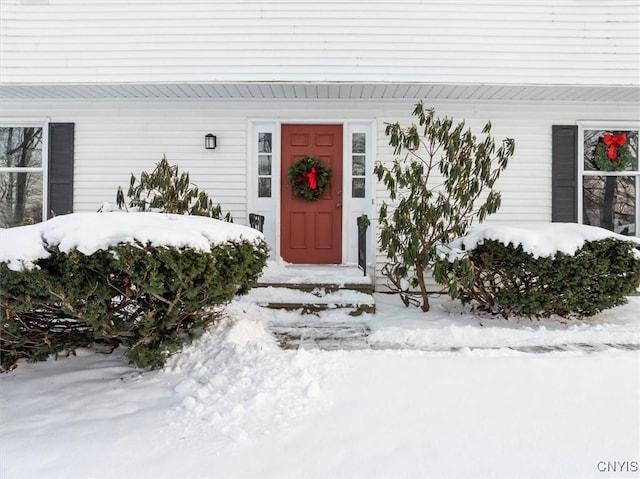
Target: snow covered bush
[
  {"x": 32, "y": 326},
  {"x": 557, "y": 268},
  {"x": 145, "y": 280}
]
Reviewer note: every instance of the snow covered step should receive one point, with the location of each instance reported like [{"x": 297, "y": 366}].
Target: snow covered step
[
  {"x": 314, "y": 288},
  {"x": 366, "y": 288},
  {"x": 312, "y": 300},
  {"x": 313, "y": 277}
]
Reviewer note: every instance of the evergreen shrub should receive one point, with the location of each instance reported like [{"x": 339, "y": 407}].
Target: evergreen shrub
[
  {"x": 151, "y": 299},
  {"x": 505, "y": 279},
  {"x": 166, "y": 190}
]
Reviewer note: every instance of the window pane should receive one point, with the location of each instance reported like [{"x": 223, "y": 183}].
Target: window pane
[
  {"x": 264, "y": 164},
  {"x": 264, "y": 142},
  {"x": 358, "y": 142},
  {"x": 609, "y": 202},
  {"x": 610, "y": 147},
  {"x": 358, "y": 165},
  {"x": 358, "y": 188},
  {"x": 20, "y": 147},
  {"x": 20, "y": 198},
  {"x": 264, "y": 187}
]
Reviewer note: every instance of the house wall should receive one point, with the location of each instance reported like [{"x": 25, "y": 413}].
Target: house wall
[
  {"x": 116, "y": 138},
  {"x": 530, "y": 42}
]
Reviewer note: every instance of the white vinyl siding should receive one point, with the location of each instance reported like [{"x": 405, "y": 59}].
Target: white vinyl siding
[
  {"x": 115, "y": 138},
  {"x": 463, "y": 42}
]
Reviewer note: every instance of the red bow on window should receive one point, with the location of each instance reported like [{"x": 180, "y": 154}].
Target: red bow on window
[
  {"x": 313, "y": 182},
  {"x": 613, "y": 142}
]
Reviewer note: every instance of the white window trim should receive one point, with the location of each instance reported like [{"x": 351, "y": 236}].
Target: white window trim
[
  {"x": 40, "y": 123},
  {"x": 605, "y": 125}
]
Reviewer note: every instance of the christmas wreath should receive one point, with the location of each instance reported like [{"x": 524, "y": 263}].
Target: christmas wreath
[
  {"x": 612, "y": 153},
  {"x": 309, "y": 178}
]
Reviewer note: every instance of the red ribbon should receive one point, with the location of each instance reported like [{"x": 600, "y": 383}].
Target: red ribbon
[
  {"x": 613, "y": 142},
  {"x": 311, "y": 176}
]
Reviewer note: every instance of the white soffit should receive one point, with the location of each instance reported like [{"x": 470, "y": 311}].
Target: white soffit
[{"x": 322, "y": 91}]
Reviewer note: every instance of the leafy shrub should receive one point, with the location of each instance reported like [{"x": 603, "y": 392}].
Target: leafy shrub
[
  {"x": 505, "y": 279},
  {"x": 443, "y": 183},
  {"x": 149, "y": 298},
  {"x": 165, "y": 191}
]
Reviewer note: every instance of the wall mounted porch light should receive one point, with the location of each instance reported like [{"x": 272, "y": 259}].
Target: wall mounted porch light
[{"x": 210, "y": 141}]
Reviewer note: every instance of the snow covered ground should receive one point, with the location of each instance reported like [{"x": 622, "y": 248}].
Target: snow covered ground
[
  {"x": 443, "y": 394},
  {"x": 446, "y": 396}
]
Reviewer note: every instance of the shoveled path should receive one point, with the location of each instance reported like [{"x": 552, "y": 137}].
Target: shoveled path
[{"x": 354, "y": 335}]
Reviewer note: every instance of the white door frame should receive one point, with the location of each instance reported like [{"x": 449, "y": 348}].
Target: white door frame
[{"x": 352, "y": 207}]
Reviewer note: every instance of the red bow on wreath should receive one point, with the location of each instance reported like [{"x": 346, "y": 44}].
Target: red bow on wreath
[
  {"x": 613, "y": 142},
  {"x": 311, "y": 176}
]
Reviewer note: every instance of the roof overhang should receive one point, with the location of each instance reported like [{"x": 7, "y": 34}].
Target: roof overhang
[{"x": 323, "y": 91}]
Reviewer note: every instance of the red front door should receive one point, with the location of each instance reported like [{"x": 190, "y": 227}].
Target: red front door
[{"x": 311, "y": 231}]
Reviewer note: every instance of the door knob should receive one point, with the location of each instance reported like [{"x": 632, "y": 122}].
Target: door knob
[{"x": 338, "y": 205}]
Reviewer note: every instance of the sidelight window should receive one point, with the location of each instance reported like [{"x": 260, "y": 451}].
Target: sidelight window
[
  {"x": 358, "y": 165},
  {"x": 265, "y": 165}
]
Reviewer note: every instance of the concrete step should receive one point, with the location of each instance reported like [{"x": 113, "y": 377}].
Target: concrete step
[
  {"x": 314, "y": 288},
  {"x": 366, "y": 288},
  {"x": 312, "y": 300},
  {"x": 329, "y": 336}
]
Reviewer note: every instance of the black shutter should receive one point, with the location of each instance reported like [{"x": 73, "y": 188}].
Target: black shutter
[
  {"x": 564, "y": 171},
  {"x": 60, "y": 185}
]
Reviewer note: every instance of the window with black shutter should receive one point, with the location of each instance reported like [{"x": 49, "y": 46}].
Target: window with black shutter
[{"x": 596, "y": 175}]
